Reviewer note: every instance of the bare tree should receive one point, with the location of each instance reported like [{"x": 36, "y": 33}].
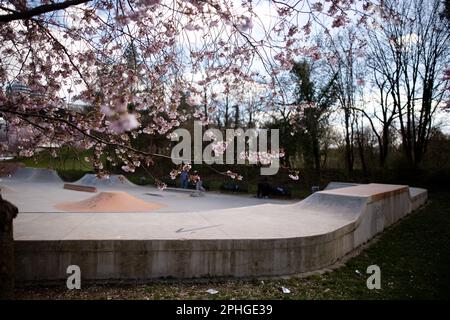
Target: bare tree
[
  {"x": 408, "y": 49},
  {"x": 381, "y": 118},
  {"x": 343, "y": 62}
]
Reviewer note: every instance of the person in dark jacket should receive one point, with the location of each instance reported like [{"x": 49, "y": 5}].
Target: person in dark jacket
[
  {"x": 184, "y": 179},
  {"x": 263, "y": 188}
]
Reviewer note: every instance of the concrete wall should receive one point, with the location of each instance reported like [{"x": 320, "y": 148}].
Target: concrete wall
[
  {"x": 418, "y": 196},
  {"x": 150, "y": 259}
]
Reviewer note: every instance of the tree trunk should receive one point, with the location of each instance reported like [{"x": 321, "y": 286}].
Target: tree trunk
[
  {"x": 362, "y": 157},
  {"x": 384, "y": 146},
  {"x": 348, "y": 144},
  {"x": 7, "y": 213}
]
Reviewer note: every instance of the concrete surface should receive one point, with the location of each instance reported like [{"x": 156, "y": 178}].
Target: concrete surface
[
  {"x": 187, "y": 242},
  {"x": 35, "y": 197},
  {"x": 34, "y": 175}
]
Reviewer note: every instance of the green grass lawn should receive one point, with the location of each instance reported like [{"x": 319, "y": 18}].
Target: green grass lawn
[
  {"x": 67, "y": 159},
  {"x": 414, "y": 257}
]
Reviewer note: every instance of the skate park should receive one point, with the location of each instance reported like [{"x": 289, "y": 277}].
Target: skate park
[{"x": 127, "y": 232}]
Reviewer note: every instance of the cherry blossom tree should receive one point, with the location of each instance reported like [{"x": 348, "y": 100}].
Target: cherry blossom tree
[{"x": 128, "y": 61}]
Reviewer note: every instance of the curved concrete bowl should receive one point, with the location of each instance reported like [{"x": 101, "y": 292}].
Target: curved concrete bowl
[{"x": 264, "y": 240}]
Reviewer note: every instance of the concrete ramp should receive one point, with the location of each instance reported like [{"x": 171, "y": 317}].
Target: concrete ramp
[
  {"x": 325, "y": 204},
  {"x": 384, "y": 205},
  {"x": 418, "y": 196},
  {"x": 111, "y": 181},
  {"x": 5, "y": 189},
  {"x": 37, "y": 175},
  {"x": 116, "y": 201},
  {"x": 254, "y": 241}
]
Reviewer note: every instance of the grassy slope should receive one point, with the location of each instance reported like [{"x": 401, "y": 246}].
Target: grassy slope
[
  {"x": 66, "y": 160},
  {"x": 414, "y": 257}
]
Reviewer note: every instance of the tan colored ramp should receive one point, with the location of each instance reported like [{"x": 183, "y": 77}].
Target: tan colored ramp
[{"x": 110, "y": 202}]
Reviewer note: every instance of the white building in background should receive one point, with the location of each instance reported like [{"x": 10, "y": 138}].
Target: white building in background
[
  {"x": 4, "y": 138},
  {"x": 17, "y": 87},
  {"x": 13, "y": 88},
  {"x": 78, "y": 105}
]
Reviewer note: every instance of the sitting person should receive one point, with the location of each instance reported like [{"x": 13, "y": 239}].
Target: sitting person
[
  {"x": 263, "y": 189},
  {"x": 198, "y": 184}
]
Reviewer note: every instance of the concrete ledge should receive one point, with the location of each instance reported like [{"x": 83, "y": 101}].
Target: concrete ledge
[
  {"x": 77, "y": 187},
  {"x": 180, "y": 190}
]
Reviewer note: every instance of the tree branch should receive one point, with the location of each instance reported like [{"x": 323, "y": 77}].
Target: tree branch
[{"x": 28, "y": 14}]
